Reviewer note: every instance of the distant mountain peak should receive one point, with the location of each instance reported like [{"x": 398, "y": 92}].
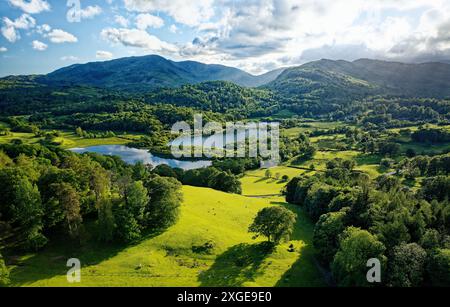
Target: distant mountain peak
[{"x": 145, "y": 73}]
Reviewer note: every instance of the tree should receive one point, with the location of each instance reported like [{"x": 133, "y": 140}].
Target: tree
[
  {"x": 105, "y": 222},
  {"x": 275, "y": 223},
  {"x": 268, "y": 173},
  {"x": 356, "y": 247},
  {"x": 128, "y": 229},
  {"x": 27, "y": 211},
  {"x": 319, "y": 197},
  {"x": 436, "y": 188},
  {"x": 4, "y": 273},
  {"x": 166, "y": 198},
  {"x": 326, "y": 234},
  {"x": 70, "y": 204},
  {"x": 137, "y": 200},
  {"x": 407, "y": 265},
  {"x": 439, "y": 268}
]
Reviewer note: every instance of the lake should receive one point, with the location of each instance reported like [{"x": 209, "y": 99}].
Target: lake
[{"x": 132, "y": 155}]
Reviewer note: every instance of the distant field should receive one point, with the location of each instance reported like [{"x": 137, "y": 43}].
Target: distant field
[
  {"x": 310, "y": 126},
  {"x": 169, "y": 259},
  {"x": 255, "y": 183},
  {"x": 69, "y": 139}
]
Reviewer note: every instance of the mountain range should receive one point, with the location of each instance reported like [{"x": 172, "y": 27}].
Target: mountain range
[
  {"x": 150, "y": 72},
  {"x": 372, "y": 76},
  {"x": 323, "y": 79}
]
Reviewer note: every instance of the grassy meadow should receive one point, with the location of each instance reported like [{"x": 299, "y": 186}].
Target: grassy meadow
[{"x": 176, "y": 257}]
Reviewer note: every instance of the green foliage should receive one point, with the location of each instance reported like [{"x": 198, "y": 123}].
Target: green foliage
[
  {"x": 326, "y": 234},
  {"x": 275, "y": 223},
  {"x": 436, "y": 188},
  {"x": 4, "y": 273},
  {"x": 439, "y": 268},
  {"x": 106, "y": 225},
  {"x": 407, "y": 266},
  {"x": 166, "y": 198},
  {"x": 356, "y": 247},
  {"x": 431, "y": 136},
  {"x": 211, "y": 177}
]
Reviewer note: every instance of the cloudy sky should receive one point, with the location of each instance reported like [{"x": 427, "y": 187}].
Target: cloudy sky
[{"x": 38, "y": 36}]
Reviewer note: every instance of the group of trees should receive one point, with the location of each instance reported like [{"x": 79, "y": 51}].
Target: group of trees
[
  {"x": 424, "y": 166},
  {"x": 89, "y": 135},
  {"x": 210, "y": 177},
  {"x": 46, "y": 190},
  {"x": 358, "y": 219},
  {"x": 299, "y": 147},
  {"x": 431, "y": 136}
]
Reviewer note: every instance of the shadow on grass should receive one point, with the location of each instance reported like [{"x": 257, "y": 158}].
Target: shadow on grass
[
  {"x": 51, "y": 261},
  {"x": 305, "y": 271},
  {"x": 240, "y": 263}
]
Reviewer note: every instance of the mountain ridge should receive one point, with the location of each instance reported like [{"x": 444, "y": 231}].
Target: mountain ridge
[{"x": 150, "y": 72}]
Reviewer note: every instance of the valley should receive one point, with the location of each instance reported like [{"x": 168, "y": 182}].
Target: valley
[{"x": 86, "y": 172}]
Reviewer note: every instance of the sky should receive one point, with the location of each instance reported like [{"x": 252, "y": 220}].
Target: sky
[{"x": 39, "y": 36}]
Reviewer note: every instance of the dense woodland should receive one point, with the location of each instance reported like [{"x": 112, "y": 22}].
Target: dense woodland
[{"x": 357, "y": 217}]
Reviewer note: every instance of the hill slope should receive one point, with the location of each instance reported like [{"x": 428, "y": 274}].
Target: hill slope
[
  {"x": 342, "y": 79},
  {"x": 176, "y": 258},
  {"x": 150, "y": 72}
]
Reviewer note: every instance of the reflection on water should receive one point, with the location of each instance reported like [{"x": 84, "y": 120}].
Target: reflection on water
[{"x": 133, "y": 155}]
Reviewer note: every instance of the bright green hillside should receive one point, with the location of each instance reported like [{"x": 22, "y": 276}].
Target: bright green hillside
[{"x": 175, "y": 257}]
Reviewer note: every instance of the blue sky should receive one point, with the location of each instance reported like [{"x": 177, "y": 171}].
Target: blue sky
[{"x": 38, "y": 36}]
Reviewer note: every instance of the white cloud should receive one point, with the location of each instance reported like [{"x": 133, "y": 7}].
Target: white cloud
[
  {"x": 136, "y": 38},
  {"x": 3, "y": 49},
  {"x": 103, "y": 55},
  {"x": 121, "y": 21},
  {"x": 191, "y": 13},
  {"x": 31, "y": 7},
  {"x": 90, "y": 12},
  {"x": 274, "y": 33},
  {"x": 40, "y": 46},
  {"x": 42, "y": 29},
  {"x": 10, "y": 28},
  {"x": 144, "y": 21},
  {"x": 69, "y": 58},
  {"x": 10, "y": 33},
  {"x": 59, "y": 36},
  {"x": 173, "y": 29}
]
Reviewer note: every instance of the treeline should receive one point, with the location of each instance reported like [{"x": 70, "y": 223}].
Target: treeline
[
  {"x": 71, "y": 107},
  {"x": 358, "y": 219},
  {"x": 209, "y": 177},
  {"x": 47, "y": 191},
  {"x": 219, "y": 96},
  {"x": 424, "y": 166},
  {"x": 431, "y": 136}
]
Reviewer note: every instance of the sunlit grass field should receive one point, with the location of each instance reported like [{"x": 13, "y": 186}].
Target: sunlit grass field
[
  {"x": 68, "y": 140},
  {"x": 172, "y": 257},
  {"x": 255, "y": 182}
]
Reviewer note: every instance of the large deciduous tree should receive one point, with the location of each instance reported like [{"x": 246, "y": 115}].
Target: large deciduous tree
[{"x": 275, "y": 223}]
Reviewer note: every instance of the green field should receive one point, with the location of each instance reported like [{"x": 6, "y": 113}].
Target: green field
[
  {"x": 68, "y": 140},
  {"x": 255, "y": 183},
  {"x": 172, "y": 257}
]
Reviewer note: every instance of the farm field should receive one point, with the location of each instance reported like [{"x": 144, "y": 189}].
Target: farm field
[{"x": 175, "y": 257}]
